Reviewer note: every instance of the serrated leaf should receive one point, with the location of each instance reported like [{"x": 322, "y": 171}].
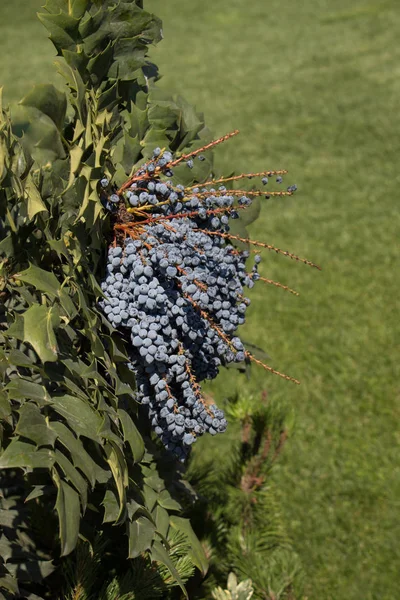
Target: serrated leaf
[
  {"x": 35, "y": 202},
  {"x": 38, "y": 491},
  {"x": 152, "y": 139},
  {"x": 196, "y": 551},
  {"x": 155, "y": 482},
  {"x": 80, "y": 458},
  {"x": 111, "y": 507},
  {"x": 5, "y": 406},
  {"x": 63, "y": 39},
  {"x": 81, "y": 417},
  {"x": 33, "y": 426},
  {"x": 68, "y": 510},
  {"x": 42, "y": 280},
  {"x": 161, "y": 518},
  {"x": 131, "y": 435},
  {"x": 132, "y": 150},
  {"x": 101, "y": 62},
  {"x": 159, "y": 554},
  {"x": 22, "y": 454},
  {"x": 36, "y": 326},
  {"x": 119, "y": 469},
  {"x": 140, "y": 533},
  {"x": 164, "y": 499},
  {"x": 138, "y": 120},
  {"x": 77, "y": 8},
  {"x": 74, "y": 477},
  {"x": 250, "y": 214},
  {"x": 163, "y": 115},
  {"x": 48, "y": 100},
  {"x": 19, "y": 359},
  {"x": 150, "y": 497},
  {"x": 20, "y": 389},
  {"x": 238, "y": 228},
  {"x": 10, "y": 584}
]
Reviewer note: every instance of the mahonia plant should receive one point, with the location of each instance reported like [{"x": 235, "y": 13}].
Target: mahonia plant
[{"x": 86, "y": 199}]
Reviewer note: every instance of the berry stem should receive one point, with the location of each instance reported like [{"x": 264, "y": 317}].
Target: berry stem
[
  {"x": 260, "y": 245},
  {"x": 236, "y": 177}
]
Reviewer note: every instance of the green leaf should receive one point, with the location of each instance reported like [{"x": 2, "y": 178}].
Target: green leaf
[
  {"x": 141, "y": 533},
  {"x": 138, "y": 120},
  {"x": 159, "y": 554},
  {"x": 73, "y": 476},
  {"x": 77, "y": 8},
  {"x": 21, "y": 389},
  {"x": 33, "y": 425},
  {"x": 131, "y": 435},
  {"x": 35, "y": 202},
  {"x": 5, "y": 406},
  {"x": 40, "y": 279},
  {"x": 22, "y": 454},
  {"x": 119, "y": 469},
  {"x": 164, "y": 499},
  {"x": 161, "y": 518},
  {"x": 111, "y": 507},
  {"x": 68, "y": 510},
  {"x": 81, "y": 417},
  {"x": 155, "y": 482},
  {"x": 8, "y": 583},
  {"x": 63, "y": 30},
  {"x": 196, "y": 552},
  {"x": 81, "y": 459},
  {"x": 251, "y": 213},
  {"x": 132, "y": 150},
  {"x": 48, "y": 100},
  {"x": 36, "y": 326},
  {"x": 238, "y": 228},
  {"x": 150, "y": 497},
  {"x": 153, "y": 138},
  {"x": 101, "y": 62},
  {"x": 38, "y": 491},
  {"x": 19, "y": 359}
]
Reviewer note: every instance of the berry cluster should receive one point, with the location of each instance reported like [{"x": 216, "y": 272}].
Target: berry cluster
[{"x": 176, "y": 283}]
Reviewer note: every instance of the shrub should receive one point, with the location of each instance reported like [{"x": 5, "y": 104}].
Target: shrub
[{"x": 84, "y": 482}]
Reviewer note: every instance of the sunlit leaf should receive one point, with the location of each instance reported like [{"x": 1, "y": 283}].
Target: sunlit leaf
[
  {"x": 48, "y": 100},
  {"x": 131, "y": 435},
  {"x": 141, "y": 533},
  {"x": 35, "y": 202},
  {"x": 82, "y": 419},
  {"x": 68, "y": 510},
  {"x": 33, "y": 425},
  {"x": 159, "y": 554},
  {"x": 196, "y": 551},
  {"x": 22, "y": 454},
  {"x": 36, "y": 326}
]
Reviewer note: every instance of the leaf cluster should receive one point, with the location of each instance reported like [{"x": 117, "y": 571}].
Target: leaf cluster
[{"x": 75, "y": 453}]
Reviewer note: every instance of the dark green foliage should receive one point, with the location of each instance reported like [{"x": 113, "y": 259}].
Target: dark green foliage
[
  {"x": 72, "y": 455},
  {"x": 83, "y": 487}
]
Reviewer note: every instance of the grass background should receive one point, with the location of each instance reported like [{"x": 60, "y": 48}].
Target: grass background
[{"x": 314, "y": 87}]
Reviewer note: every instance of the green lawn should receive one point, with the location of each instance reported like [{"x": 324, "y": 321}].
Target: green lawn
[{"x": 314, "y": 87}]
